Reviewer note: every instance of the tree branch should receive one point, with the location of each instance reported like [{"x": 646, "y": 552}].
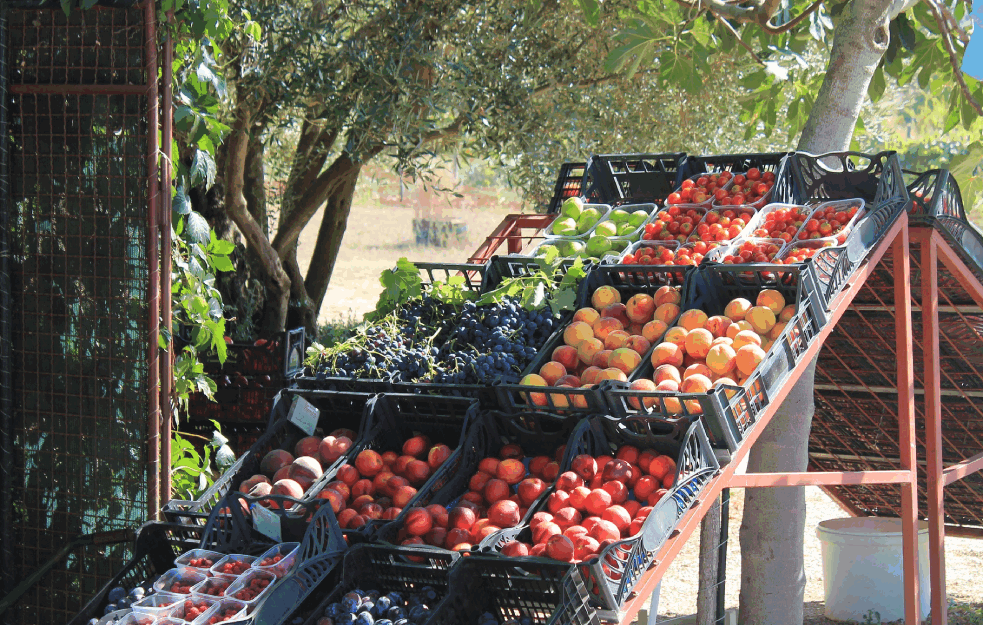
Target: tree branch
[
  {"x": 789, "y": 25},
  {"x": 950, "y": 49},
  {"x": 950, "y": 19},
  {"x": 741, "y": 41},
  {"x": 720, "y": 8}
]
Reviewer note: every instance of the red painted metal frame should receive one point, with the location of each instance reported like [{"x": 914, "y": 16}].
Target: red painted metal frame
[
  {"x": 164, "y": 223},
  {"x": 897, "y": 240},
  {"x": 510, "y": 232}
]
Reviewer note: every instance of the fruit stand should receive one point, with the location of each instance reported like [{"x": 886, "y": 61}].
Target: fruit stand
[{"x": 564, "y": 416}]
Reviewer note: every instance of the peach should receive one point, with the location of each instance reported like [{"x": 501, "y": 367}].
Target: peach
[
  {"x": 472, "y": 500},
  {"x": 363, "y": 487},
  {"x": 587, "y": 315},
  {"x": 692, "y": 319},
  {"x": 515, "y": 549},
  {"x": 616, "y": 339},
  {"x": 766, "y": 344},
  {"x": 738, "y": 326},
  {"x": 381, "y": 482},
  {"x": 618, "y": 516},
  {"x": 696, "y": 384},
  {"x": 605, "y": 296},
  {"x": 748, "y": 359},
  {"x": 662, "y": 466},
  {"x": 638, "y": 344},
  {"x": 399, "y": 466},
  {"x": 540, "y": 517},
  {"x": 287, "y": 487},
  {"x": 787, "y": 313},
  {"x": 616, "y": 470},
  {"x": 438, "y": 455},
  {"x": 283, "y": 473},
  {"x": 403, "y": 496},
  {"x": 612, "y": 373},
  {"x": 569, "y": 380},
  {"x": 645, "y": 486},
  {"x": 698, "y": 342},
  {"x": 776, "y": 332},
  {"x": 439, "y": 515},
  {"x": 617, "y": 311},
  {"x": 736, "y": 309},
  {"x": 605, "y": 326},
  {"x": 761, "y": 318},
  {"x": 725, "y": 382},
  {"x": 676, "y": 335},
  {"x": 772, "y": 299},
  {"x": 578, "y": 498},
  {"x": 530, "y": 489},
  {"x": 537, "y": 464},
  {"x": 332, "y": 448},
  {"x": 368, "y": 462},
  {"x": 557, "y": 500},
  {"x": 635, "y": 329},
  {"x": 667, "y": 354},
  {"x": 721, "y": 359},
  {"x": 566, "y": 356},
  {"x": 552, "y": 371},
  {"x": 496, "y": 490},
  {"x": 640, "y": 307},
  {"x": 504, "y": 513},
  {"x": 574, "y": 531},
  {"x": 646, "y": 386},
  {"x": 745, "y": 337},
  {"x": 537, "y": 551},
  {"x": 605, "y": 530},
  {"x": 628, "y": 453},
  {"x": 418, "y": 522},
  {"x": 617, "y": 490},
  {"x": 589, "y": 376},
  {"x": 248, "y": 485},
  {"x": 697, "y": 369},
  {"x": 567, "y": 517},
  {"x": 598, "y": 501},
  {"x": 347, "y": 474},
  {"x": 461, "y": 518},
  {"x": 625, "y": 359},
  {"x": 560, "y": 548},
  {"x": 653, "y": 330},
  {"x": 717, "y": 325},
  {"x": 585, "y": 547},
  {"x": 274, "y": 461},
  {"x": 345, "y": 517},
  {"x": 602, "y": 358},
  {"x": 511, "y": 471},
  {"x": 389, "y": 458},
  {"x": 666, "y": 313},
  {"x": 478, "y": 481},
  {"x": 417, "y": 472},
  {"x": 550, "y": 471},
  {"x": 538, "y": 399},
  {"x": 335, "y": 499},
  {"x": 416, "y": 446},
  {"x": 667, "y": 295},
  {"x": 667, "y": 372},
  {"x": 307, "y": 446},
  {"x": 587, "y": 348},
  {"x": 576, "y": 332},
  {"x": 569, "y": 480},
  {"x": 265, "y": 488},
  {"x": 339, "y": 432},
  {"x": 543, "y": 532}
]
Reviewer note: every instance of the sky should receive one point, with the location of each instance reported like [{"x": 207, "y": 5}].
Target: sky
[{"x": 973, "y": 59}]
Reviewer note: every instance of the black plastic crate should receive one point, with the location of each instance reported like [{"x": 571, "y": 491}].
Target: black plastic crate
[
  {"x": 611, "y": 577},
  {"x": 877, "y": 178},
  {"x": 934, "y": 193},
  {"x": 619, "y": 178},
  {"x": 384, "y": 569},
  {"x": 278, "y": 357},
  {"x": 737, "y": 163},
  {"x": 628, "y": 280},
  {"x": 966, "y": 239},
  {"x": 730, "y": 412},
  {"x": 537, "y": 433},
  {"x": 337, "y": 410},
  {"x": 501, "y": 268},
  {"x": 569, "y": 183},
  {"x": 552, "y": 593},
  {"x": 391, "y": 419},
  {"x": 232, "y": 403}
]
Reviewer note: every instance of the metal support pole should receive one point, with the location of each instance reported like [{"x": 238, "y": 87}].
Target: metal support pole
[
  {"x": 722, "y": 555},
  {"x": 164, "y": 210},
  {"x": 8, "y": 577},
  {"x": 933, "y": 428},
  {"x": 153, "y": 257},
  {"x": 906, "y": 421}
]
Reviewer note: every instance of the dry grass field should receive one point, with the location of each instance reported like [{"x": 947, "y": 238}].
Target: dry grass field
[{"x": 380, "y": 231}]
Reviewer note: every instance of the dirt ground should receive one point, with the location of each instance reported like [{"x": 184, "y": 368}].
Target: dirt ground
[{"x": 380, "y": 231}]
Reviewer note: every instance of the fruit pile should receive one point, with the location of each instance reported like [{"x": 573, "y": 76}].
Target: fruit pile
[
  {"x": 830, "y": 221},
  {"x": 254, "y": 587},
  {"x": 191, "y": 609},
  {"x": 782, "y": 223},
  {"x": 674, "y": 223},
  {"x": 700, "y": 189},
  {"x": 216, "y": 586},
  {"x": 283, "y": 473},
  {"x": 610, "y": 234},
  {"x": 371, "y": 607},
  {"x": 379, "y": 485},
  {"x": 800, "y": 253},
  {"x": 597, "y": 503},
  {"x": 499, "y": 494},
  {"x": 119, "y": 598},
  {"x": 748, "y": 188},
  {"x": 689, "y": 254},
  {"x": 224, "y": 613},
  {"x": 753, "y": 252},
  {"x": 722, "y": 225},
  {"x": 233, "y": 565},
  {"x": 576, "y": 219},
  {"x": 703, "y": 352},
  {"x": 605, "y": 342}
]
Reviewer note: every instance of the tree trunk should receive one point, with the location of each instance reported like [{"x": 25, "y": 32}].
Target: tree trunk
[
  {"x": 339, "y": 206},
  {"x": 773, "y": 529},
  {"x": 706, "y": 596},
  {"x": 301, "y": 305},
  {"x": 255, "y": 182}
]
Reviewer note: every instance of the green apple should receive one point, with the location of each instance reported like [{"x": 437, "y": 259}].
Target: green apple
[
  {"x": 638, "y": 218},
  {"x": 545, "y": 248},
  {"x": 619, "y": 216},
  {"x": 606, "y": 229},
  {"x": 570, "y": 248},
  {"x": 591, "y": 212},
  {"x": 565, "y": 226},
  {"x": 626, "y": 229},
  {"x": 598, "y": 245},
  {"x": 585, "y": 223},
  {"x": 572, "y": 207}
]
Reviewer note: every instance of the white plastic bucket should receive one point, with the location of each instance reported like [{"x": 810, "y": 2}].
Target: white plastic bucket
[{"x": 863, "y": 565}]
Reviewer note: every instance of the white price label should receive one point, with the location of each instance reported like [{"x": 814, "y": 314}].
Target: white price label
[
  {"x": 304, "y": 415},
  {"x": 266, "y": 522}
]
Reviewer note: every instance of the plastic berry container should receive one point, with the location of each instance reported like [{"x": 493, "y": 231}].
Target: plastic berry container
[
  {"x": 168, "y": 620},
  {"x": 213, "y": 586},
  {"x": 251, "y": 586},
  {"x": 761, "y": 201},
  {"x": 721, "y": 254},
  {"x": 137, "y": 618},
  {"x": 648, "y": 258},
  {"x": 695, "y": 180},
  {"x": 179, "y": 581},
  {"x": 234, "y": 564},
  {"x": 834, "y": 207},
  {"x": 801, "y": 250},
  {"x": 157, "y": 603},
  {"x": 280, "y": 559},
  {"x": 659, "y": 227},
  {"x": 190, "y": 608},
  {"x": 221, "y": 611},
  {"x": 201, "y": 559}
]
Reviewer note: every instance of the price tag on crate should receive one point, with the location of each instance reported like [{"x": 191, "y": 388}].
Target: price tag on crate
[
  {"x": 304, "y": 415},
  {"x": 266, "y": 522}
]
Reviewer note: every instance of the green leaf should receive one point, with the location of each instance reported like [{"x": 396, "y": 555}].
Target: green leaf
[
  {"x": 905, "y": 31},
  {"x": 181, "y": 203},
  {"x": 592, "y": 11},
  {"x": 197, "y": 228},
  {"x": 220, "y": 246},
  {"x": 877, "y": 84},
  {"x": 203, "y": 169},
  {"x": 222, "y": 263},
  {"x": 254, "y": 30}
]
